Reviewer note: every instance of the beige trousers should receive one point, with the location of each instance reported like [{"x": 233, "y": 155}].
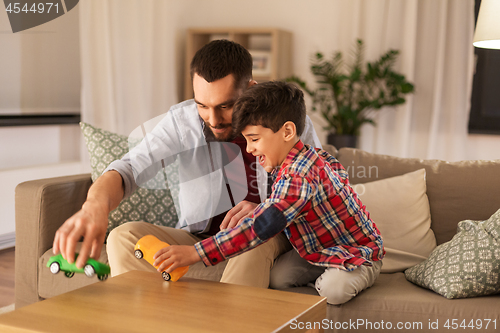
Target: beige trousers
[{"x": 251, "y": 268}]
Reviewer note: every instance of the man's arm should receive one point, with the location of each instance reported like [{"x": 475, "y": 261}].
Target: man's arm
[
  {"x": 117, "y": 181},
  {"x": 91, "y": 221}
]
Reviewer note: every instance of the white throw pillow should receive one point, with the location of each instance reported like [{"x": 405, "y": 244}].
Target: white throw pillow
[{"x": 400, "y": 209}]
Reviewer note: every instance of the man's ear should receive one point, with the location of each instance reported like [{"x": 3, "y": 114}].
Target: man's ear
[
  {"x": 289, "y": 131},
  {"x": 251, "y": 83}
]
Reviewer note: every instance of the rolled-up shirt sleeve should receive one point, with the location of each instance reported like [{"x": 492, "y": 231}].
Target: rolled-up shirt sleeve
[{"x": 124, "y": 168}]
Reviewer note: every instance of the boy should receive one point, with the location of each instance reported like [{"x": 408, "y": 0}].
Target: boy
[{"x": 335, "y": 242}]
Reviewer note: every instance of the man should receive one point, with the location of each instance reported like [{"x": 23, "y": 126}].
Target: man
[{"x": 220, "y": 71}]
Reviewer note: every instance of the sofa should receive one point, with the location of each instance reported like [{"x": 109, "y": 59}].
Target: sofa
[{"x": 454, "y": 192}]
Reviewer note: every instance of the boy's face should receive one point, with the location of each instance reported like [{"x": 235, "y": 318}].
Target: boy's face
[{"x": 270, "y": 148}]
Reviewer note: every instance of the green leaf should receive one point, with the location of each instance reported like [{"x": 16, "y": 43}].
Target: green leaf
[
  {"x": 343, "y": 93},
  {"x": 407, "y": 88}
]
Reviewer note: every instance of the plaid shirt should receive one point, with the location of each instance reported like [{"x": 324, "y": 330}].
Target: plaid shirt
[{"x": 318, "y": 210}]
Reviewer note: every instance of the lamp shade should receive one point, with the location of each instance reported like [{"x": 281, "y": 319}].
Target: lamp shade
[{"x": 487, "y": 33}]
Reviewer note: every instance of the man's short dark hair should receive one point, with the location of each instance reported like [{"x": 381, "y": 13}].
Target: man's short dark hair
[
  {"x": 270, "y": 104},
  {"x": 219, "y": 58}
]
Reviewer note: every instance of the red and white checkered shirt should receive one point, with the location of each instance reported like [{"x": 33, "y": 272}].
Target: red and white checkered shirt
[{"x": 313, "y": 203}]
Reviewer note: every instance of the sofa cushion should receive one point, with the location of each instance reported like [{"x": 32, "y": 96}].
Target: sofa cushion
[
  {"x": 457, "y": 191},
  {"x": 394, "y": 301},
  {"x": 400, "y": 209},
  {"x": 466, "y": 266},
  {"x": 145, "y": 204},
  {"x": 394, "y": 304}
]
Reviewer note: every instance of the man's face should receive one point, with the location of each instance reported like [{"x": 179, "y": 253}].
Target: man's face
[{"x": 215, "y": 102}]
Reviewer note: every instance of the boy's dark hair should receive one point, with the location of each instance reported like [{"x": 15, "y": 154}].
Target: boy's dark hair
[
  {"x": 219, "y": 58},
  {"x": 270, "y": 104}
]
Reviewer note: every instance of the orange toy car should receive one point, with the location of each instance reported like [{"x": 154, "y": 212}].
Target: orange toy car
[{"x": 147, "y": 247}]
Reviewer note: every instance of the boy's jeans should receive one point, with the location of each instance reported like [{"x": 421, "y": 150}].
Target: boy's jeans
[{"x": 338, "y": 286}]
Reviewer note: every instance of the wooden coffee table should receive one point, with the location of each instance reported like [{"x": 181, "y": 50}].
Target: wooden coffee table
[{"x": 143, "y": 302}]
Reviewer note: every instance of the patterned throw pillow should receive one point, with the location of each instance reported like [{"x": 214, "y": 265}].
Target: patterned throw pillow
[
  {"x": 466, "y": 266},
  {"x": 149, "y": 205}
]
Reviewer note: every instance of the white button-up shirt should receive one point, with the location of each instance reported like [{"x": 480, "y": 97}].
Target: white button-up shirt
[{"x": 204, "y": 191}]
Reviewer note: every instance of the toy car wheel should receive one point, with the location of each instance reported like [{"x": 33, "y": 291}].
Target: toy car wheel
[
  {"x": 138, "y": 254},
  {"x": 54, "y": 268},
  {"x": 102, "y": 277},
  {"x": 69, "y": 274},
  {"x": 89, "y": 270},
  {"x": 166, "y": 276}
]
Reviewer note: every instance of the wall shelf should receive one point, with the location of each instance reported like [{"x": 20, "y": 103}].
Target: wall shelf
[{"x": 39, "y": 119}]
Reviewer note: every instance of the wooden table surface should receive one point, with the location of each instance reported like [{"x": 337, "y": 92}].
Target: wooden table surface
[{"x": 143, "y": 302}]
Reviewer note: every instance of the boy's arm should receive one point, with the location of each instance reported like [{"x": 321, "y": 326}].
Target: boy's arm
[{"x": 290, "y": 197}]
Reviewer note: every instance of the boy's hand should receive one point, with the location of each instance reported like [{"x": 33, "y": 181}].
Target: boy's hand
[
  {"x": 177, "y": 256},
  {"x": 237, "y": 214}
]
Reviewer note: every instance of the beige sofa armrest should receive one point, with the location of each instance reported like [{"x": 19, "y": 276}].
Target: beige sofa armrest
[{"x": 41, "y": 207}]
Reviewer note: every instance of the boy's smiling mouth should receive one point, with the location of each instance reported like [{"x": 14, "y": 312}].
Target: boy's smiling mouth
[{"x": 262, "y": 159}]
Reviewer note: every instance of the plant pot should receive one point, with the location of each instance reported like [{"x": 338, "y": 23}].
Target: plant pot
[{"x": 341, "y": 141}]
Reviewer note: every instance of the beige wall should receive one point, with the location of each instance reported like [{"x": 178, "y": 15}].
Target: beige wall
[
  {"x": 40, "y": 67},
  {"x": 313, "y": 29},
  {"x": 39, "y": 73}
]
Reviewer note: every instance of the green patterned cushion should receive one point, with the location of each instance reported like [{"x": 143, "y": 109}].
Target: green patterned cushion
[
  {"x": 466, "y": 266},
  {"x": 151, "y": 205}
]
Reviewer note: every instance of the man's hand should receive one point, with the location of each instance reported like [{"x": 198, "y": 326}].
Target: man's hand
[
  {"x": 237, "y": 214},
  {"x": 177, "y": 256},
  {"x": 90, "y": 223}
]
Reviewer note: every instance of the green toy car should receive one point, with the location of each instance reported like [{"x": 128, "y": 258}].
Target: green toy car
[{"x": 92, "y": 267}]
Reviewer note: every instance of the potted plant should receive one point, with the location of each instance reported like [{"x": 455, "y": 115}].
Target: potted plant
[{"x": 347, "y": 96}]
